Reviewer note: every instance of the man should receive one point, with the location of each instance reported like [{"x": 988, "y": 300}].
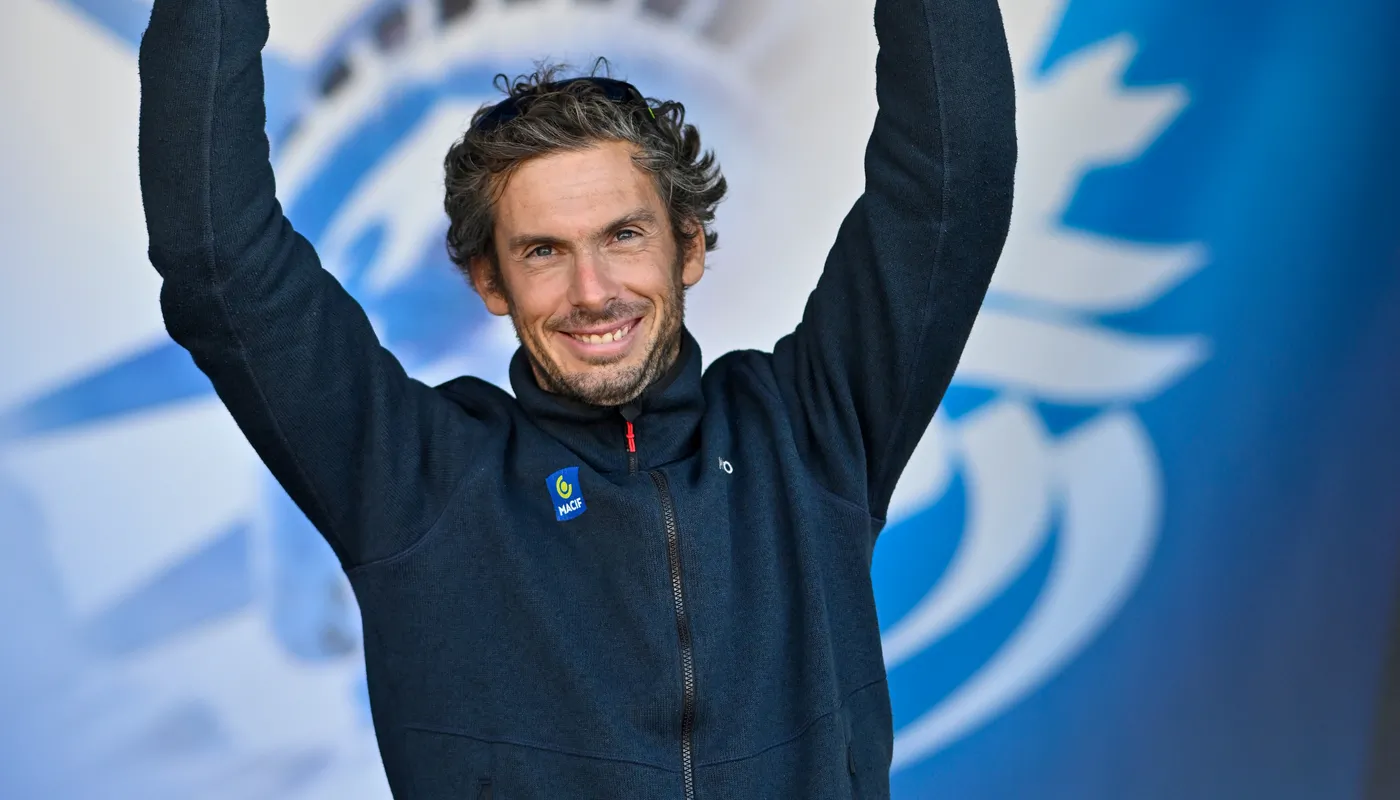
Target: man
[{"x": 631, "y": 579}]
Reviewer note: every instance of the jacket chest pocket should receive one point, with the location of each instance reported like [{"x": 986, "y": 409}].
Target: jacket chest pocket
[{"x": 448, "y": 766}]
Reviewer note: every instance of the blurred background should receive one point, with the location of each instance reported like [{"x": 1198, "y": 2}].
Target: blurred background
[{"x": 1149, "y": 548}]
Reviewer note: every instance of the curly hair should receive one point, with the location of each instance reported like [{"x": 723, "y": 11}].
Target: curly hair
[{"x": 554, "y": 119}]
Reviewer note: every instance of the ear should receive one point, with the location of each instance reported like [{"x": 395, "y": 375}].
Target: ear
[
  {"x": 485, "y": 278},
  {"x": 693, "y": 265}
]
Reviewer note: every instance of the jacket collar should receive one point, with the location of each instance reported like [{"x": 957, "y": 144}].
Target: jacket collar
[{"x": 665, "y": 419}]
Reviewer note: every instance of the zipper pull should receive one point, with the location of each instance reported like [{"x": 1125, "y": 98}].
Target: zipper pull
[{"x": 629, "y": 413}]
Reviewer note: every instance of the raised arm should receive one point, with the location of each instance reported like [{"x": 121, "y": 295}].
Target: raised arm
[
  {"x": 367, "y": 453},
  {"x": 883, "y": 331}
]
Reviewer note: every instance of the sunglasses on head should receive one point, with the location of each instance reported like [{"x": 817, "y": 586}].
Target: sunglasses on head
[{"x": 620, "y": 92}]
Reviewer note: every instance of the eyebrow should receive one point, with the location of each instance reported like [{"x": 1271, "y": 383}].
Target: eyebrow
[{"x": 537, "y": 239}]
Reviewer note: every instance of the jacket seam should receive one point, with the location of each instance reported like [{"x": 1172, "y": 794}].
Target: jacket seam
[
  {"x": 942, "y": 233},
  {"x": 218, "y": 293},
  {"x": 447, "y": 731},
  {"x": 850, "y": 504},
  {"x": 777, "y": 398},
  {"x": 423, "y": 538},
  {"x": 800, "y": 732}
]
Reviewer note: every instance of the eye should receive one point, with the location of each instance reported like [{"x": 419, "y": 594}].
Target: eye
[
  {"x": 627, "y": 233},
  {"x": 543, "y": 251}
]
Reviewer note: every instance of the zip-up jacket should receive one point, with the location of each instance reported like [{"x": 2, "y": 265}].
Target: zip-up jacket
[{"x": 553, "y": 608}]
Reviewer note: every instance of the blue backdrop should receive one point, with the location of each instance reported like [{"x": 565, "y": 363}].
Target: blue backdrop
[{"x": 1149, "y": 548}]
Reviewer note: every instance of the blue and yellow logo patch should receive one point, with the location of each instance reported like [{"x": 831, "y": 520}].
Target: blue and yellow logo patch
[{"x": 566, "y": 494}]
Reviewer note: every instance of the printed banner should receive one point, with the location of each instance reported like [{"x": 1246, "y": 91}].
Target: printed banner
[{"x": 1147, "y": 549}]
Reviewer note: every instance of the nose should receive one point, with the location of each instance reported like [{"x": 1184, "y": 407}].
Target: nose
[{"x": 593, "y": 284}]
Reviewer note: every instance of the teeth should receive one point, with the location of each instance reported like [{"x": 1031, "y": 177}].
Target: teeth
[{"x": 602, "y": 338}]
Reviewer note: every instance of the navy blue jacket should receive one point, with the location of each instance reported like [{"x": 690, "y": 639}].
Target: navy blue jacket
[{"x": 702, "y": 624}]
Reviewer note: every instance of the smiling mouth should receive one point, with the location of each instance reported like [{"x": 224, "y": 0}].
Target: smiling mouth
[{"x": 605, "y": 336}]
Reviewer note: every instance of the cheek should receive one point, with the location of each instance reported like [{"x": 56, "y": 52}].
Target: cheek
[
  {"x": 537, "y": 298},
  {"x": 649, "y": 275}
]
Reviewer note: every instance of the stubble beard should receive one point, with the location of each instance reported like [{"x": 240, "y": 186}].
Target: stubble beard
[{"x": 608, "y": 384}]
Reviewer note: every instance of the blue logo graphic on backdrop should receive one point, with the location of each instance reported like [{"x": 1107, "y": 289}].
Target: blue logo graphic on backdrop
[
  {"x": 566, "y": 493},
  {"x": 1032, "y": 506},
  {"x": 1025, "y": 517}
]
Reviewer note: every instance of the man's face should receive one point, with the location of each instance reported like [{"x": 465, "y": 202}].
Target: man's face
[{"x": 591, "y": 273}]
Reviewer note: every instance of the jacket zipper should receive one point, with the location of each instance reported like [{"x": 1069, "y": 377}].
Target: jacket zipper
[
  {"x": 629, "y": 413},
  {"x": 673, "y": 557},
  {"x": 631, "y": 450}
]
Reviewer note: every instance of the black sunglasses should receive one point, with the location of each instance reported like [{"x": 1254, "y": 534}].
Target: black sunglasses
[{"x": 620, "y": 92}]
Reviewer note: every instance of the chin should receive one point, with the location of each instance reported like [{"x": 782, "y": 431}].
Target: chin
[
  {"x": 607, "y": 385},
  {"x": 603, "y": 378}
]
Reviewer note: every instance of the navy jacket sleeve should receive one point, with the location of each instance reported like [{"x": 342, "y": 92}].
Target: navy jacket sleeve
[
  {"x": 369, "y": 455},
  {"x": 882, "y": 333}
]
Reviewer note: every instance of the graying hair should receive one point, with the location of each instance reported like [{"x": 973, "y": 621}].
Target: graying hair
[{"x": 572, "y": 118}]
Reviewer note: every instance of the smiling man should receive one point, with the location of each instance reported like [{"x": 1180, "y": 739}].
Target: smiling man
[
  {"x": 634, "y": 577},
  {"x": 597, "y": 273},
  {"x": 562, "y": 184}
]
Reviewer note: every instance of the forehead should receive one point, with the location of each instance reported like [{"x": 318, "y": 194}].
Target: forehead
[{"x": 574, "y": 192}]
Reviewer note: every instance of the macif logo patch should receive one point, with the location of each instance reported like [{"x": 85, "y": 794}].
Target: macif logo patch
[{"x": 566, "y": 494}]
